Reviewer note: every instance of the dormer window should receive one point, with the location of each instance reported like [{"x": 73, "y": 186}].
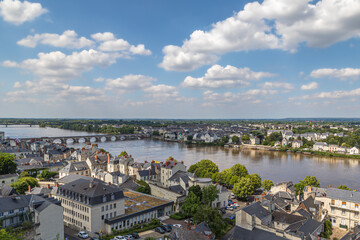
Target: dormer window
[
  {"x": 112, "y": 197},
  {"x": 104, "y": 198}
]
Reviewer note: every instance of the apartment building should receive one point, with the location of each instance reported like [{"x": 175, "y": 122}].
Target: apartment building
[
  {"x": 45, "y": 213},
  {"x": 89, "y": 203},
  {"x": 168, "y": 169},
  {"x": 342, "y": 206}
]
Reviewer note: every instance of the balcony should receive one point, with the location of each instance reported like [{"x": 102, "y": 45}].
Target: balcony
[{"x": 343, "y": 226}]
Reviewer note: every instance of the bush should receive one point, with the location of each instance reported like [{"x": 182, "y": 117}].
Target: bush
[{"x": 178, "y": 216}]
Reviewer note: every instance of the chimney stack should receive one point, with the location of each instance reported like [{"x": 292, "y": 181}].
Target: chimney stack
[
  {"x": 96, "y": 157},
  {"x": 48, "y": 186},
  {"x": 108, "y": 155},
  {"x": 29, "y": 188}
]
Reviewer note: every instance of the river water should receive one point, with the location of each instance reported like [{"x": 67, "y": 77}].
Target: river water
[{"x": 276, "y": 166}]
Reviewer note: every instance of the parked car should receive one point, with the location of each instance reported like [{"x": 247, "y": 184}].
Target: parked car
[
  {"x": 94, "y": 238},
  {"x": 160, "y": 230},
  {"x": 120, "y": 238},
  {"x": 168, "y": 227},
  {"x": 232, "y": 195},
  {"x": 232, "y": 217},
  {"x": 83, "y": 235},
  {"x": 188, "y": 220},
  {"x": 135, "y": 235},
  {"x": 129, "y": 237},
  {"x": 177, "y": 225},
  {"x": 222, "y": 211}
]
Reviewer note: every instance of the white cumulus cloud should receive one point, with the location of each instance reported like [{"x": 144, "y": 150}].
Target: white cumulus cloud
[
  {"x": 310, "y": 86},
  {"x": 17, "y": 12},
  {"x": 224, "y": 77},
  {"x": 68, "y": 39},
  {"x": 130, "y": 82},
  {"x": 343, "y": 73},
  {"x": 272, "y": 24}
]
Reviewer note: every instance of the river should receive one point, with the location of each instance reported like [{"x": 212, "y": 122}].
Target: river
[{"x": 276, "y": 166}]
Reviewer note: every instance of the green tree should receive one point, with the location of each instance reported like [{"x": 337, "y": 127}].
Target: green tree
[
  {"x": 21, "y": 185},
  {"x": 327, "y": 230},
  {"x": 245, "y": 138},
  {"x": 204, "y": 168},
  {"x": 343, "y": 187},
  {"x": 24, "y": 174},
  {"x": 189, "y": 138},
  {"x": 235, "y": 139},
  {"x": 243, "y": 188},
  {"x": 46, "y": 174},
  {"x": 6, "y": 235},
  {"x": 156, "y": 133},
  {"x": 212, "y": 217},
  {"x": 123, "y": 153},
  {"x": 308, "y": 181},
  {"x": 267, "y": 184},
  {"x": 196, "y": 189},
  {"x": 209, "y": 194},
  {"x": 144, "y": 187},
  {"x": 255, "y": 180},
  {"x": 191, "y": 204},
  {"x": 225, "y": 139},
  {"x": 7, "y": 163},
  {"x": 239, "y": 170}
]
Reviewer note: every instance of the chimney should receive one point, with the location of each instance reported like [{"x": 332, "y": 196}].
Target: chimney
[
  {"x": 96, "y": 157},
  {"x": 99, "y": 177},
  {"x": 48, "y": 186},
  {"x": 29, "y": 188},
  {"x": 129, "y": 155},
  {"x": 329, "y": 186},
  {"x": 108, "y": 155},
  {"x": 109, "y": 183},
  {"x": 97, "y": 152},
  {"x": 56, "y": 185},
  {"x": 155, "y": 168}
]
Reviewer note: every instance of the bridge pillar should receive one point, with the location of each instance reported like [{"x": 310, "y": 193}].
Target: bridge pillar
[{"x": 76, "y": 140}]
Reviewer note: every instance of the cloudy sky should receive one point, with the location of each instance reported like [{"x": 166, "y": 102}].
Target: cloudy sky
[{"x": 180, "y": 59}]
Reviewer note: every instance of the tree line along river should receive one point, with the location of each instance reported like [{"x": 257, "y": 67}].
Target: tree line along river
[{"x": 276, "y": 166}]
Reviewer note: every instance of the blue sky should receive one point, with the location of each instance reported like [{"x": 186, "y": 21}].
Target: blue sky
[{"x": 180, "y": 59}]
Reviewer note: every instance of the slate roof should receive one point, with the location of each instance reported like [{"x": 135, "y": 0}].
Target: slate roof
[
  {"x": 257, "y": 210},
  {"x": 94, "y": 193},
  {"x": 238, "y": 233},
  {"x": 182, "y": 234},
  {"x": 144, "y": 173},
  {"x": 304, "y": 213},
  {"x": 129, "y": 184},
  {"x": 74, "y": 166},
  {"x": 8, "y": 175},
  {"x": 345, "y": 195},
  {"x": 72, "y": 177},
  {"x": 179, "y": 174},
  {"x": 16, "y": 202},
  {"x": 309, "y": 226},
  {"x": 177, "y": 189},
  {"x": 286, "y": 218},
  {"x": 6, "y": 191}
]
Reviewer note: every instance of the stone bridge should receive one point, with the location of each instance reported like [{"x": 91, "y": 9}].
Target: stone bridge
[{"x": 90, "y": 138}]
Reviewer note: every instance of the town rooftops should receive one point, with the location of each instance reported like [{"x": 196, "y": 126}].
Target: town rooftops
[
  {"x": 14, "y": 202},
  {"x": 90, "y": 192},
  {"x": 238, "y": 233},
  {"x": 72, "y": 177},
  {"x": 340, "y": 194},
  {"x": 257, "y": 210},
  {"x": 8, "y": 175},
  {"x": 286, "y": 218},
  {"x": 74, "y": 166},
  {"x": 137, "y": 203}
]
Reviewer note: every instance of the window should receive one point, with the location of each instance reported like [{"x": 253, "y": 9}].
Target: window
[
  {"x": 102, "y": 208},
  {"x": 114, "y": 205},
  {"x": 21, "y": 209},
  {"x": 357, "y": 215},
  {"x": 1, "y": 214},
  {"x": 343, "y": 204},
  {"x": 104, "y": 198},
  {"x": 356, "y": 206},
  {"x": 107, "y": 207},
  {"x": 332, "y": 210},
  {"x": 11, "y": 211},
  {"x": 111, "y": 206},
  {"x": 343, "y": 212},
  {"x": 332, "y": 202},
  {"x": 343, "y": 221}
]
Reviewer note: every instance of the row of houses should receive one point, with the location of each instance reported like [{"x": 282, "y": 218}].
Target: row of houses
[{"x": 324, "y": 147}]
